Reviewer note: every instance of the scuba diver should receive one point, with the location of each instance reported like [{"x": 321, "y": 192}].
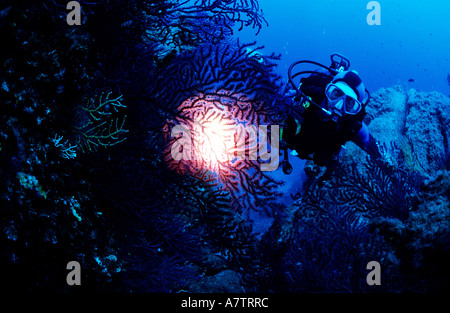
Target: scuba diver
[{"x": 329, "y": 107}]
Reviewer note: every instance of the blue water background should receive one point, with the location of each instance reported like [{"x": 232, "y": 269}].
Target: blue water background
[{"x": 412, "y": 42}]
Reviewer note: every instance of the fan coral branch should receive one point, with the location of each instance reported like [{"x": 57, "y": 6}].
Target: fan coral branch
[
  {"x": 224, "y": 94},
  {"x": 66, "y": 150},
  {"x": 100, "y": 124}
]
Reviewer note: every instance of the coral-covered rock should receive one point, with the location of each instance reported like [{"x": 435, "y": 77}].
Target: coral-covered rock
[
  {"x": 385, "y": 118},
  {"x": 427, "y": 127},
  {"x": 415, "y": 122},
  {"x": 431, "y": 219},
  {"x": 422, "y": 240},
  {"x": 386, "y": 113}
]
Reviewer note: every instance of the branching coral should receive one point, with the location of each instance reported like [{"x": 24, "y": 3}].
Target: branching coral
[
  {"x": 331, "y": 239},
  {"x": 219, "y": 148},
  {"x": 329, "y": 253},
  {"x": 180, "y": 23},
  {"x": 163, "y": 94},
  {"x": 220, "y": 92},
  {"x": 100, "y": 123},
  {"x": 66, "y": 150},
  {"x": 172, "y": 227},
  {"x": 381, "y": 190}
]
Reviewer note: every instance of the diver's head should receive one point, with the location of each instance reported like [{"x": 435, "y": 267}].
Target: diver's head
[{"x": 346, "y": 95}]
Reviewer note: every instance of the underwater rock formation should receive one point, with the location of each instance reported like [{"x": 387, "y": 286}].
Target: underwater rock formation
[
  {"x": 422, "y": 242},
  {"x": 417, "y": 123},
  {"x": 427, "y": 128},
  {"x": 386, "y": 114},
  {"x": 414, "y": 126}
]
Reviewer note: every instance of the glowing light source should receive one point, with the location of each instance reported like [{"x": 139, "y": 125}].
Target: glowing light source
[
  {"x": 213, "y": 138},
  {"x": 221, "y": 137},
  {"x": 205, "y": 132}
]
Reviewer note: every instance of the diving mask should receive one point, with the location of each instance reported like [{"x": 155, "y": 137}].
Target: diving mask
[{"x": 342, "y": 100}]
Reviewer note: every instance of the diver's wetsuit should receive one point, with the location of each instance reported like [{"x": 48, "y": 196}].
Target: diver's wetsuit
[{"x": 320, "y": 137}]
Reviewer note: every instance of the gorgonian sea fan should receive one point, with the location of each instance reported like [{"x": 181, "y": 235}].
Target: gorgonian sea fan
[
  {"x": 222, "y": 137},
  {"x": 220, "y": 102}
]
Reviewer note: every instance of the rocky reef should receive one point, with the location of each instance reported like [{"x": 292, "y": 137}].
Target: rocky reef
[
  {"x": 421, "y": 135},
  {"x": 422, "y": 240},
  {"x": 415, "y": 123},
  {"x": 395, "y": 210}
]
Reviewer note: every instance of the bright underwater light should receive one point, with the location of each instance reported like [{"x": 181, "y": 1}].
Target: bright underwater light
[
  {"x": 207, "y": 134},
  {"x": 213, "y": 138},
  {"x": 213, "y": 132},
  {"x": 223, "y": 138}
]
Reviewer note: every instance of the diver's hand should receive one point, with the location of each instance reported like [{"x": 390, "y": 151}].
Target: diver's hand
[{"x": 290, "y": 93}]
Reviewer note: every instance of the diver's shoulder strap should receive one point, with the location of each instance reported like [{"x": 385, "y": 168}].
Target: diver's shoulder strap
[{"x": 314, "y": 86}]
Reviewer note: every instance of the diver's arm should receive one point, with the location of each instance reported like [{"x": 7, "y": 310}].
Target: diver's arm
[{"x": 367, "y": 142}]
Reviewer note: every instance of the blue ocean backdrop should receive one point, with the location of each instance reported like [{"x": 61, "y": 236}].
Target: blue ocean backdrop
[{"x": 412, "y": 42}]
